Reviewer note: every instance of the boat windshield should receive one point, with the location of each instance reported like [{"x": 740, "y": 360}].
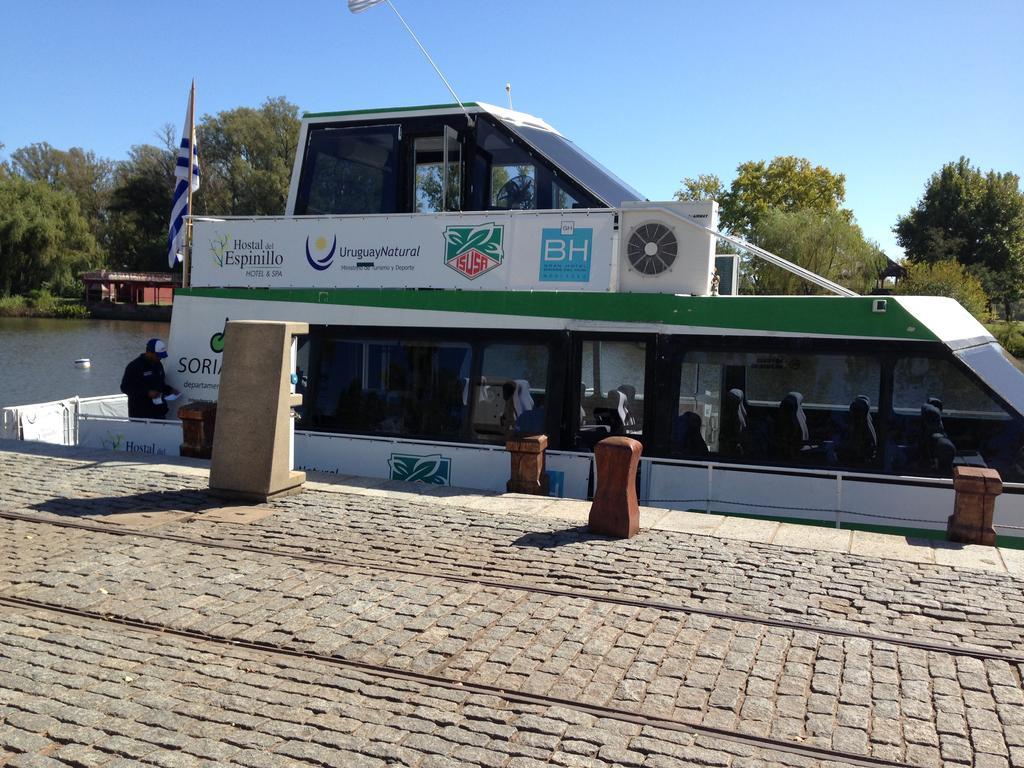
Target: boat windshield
[{"x": 577, "y": 164}]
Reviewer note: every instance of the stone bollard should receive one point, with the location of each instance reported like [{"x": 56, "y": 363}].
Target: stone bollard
[
  {"x": 615, "y": 511},
  {"x": 253, "y": 453},
  {"x": 976, "y": 490},
  {"x": 528, "y": 474},
  {"x": 198, "y": 421}
]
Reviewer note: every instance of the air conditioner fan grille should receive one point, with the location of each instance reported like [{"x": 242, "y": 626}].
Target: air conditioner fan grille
[{"x": 652, "y": 248}]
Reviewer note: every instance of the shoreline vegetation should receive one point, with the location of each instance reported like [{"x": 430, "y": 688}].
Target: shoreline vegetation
[{"x": 43, "y": 304}]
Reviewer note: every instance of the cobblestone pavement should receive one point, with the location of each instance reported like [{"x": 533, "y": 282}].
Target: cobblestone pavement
[
  {"x": 72, "y": 693},
  {"x": 854, "y": 695}
]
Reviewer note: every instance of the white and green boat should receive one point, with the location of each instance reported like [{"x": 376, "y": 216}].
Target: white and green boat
[{"x": 469, "y": 277}]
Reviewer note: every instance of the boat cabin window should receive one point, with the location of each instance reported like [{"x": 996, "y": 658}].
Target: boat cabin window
[
  {"x": 393, "y": 387},
  {"x": 612, "y": 387},
  {"x": 779, "y": 407},
  {"x": 510, "y": 396},
  {"x": 429, "y": 165},
  {"x": 942, "y": 418},
  {"x": 350, "y": 171},
  {"x": 438, "y": 173}
]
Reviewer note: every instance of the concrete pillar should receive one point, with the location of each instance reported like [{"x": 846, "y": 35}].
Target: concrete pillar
[
  {"x": 976, "y": 490},
  {"x": 252, "y": 448},
  {"x": 527, "y": 456},
  {"x": 198, "y": 421},
  {"x": 615, "y": 511}
]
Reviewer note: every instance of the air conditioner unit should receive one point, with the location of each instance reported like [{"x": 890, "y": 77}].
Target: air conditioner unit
[{"x": 664, "y": 248}]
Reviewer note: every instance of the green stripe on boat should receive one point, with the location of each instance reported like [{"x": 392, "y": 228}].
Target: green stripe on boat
[{"x": 791, "y": 315}]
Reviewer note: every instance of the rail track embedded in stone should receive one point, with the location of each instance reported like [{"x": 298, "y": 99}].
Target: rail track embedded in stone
[
  {"x": 655, "y": 721},
  {"x": 958, "y": 649}
]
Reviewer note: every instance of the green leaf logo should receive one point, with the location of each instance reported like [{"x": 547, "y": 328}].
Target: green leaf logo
[
  {"x": 218, "y": 247},
  {"x": 435, "y": 469}
]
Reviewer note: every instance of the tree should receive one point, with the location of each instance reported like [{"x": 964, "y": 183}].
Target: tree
[
  {"x": 246, "y": 158},
  {"x": 140, "y": 209},
  {"x": 707, "y": 186},
  {"x": 44, "y": 239},
  {"x": 786, "y": 183},
  {"x": 975, "y": 219},
  {"x": 88, "y": 177},
  {"x": 792, "y": 185},
  {"x": 945, "y": 278},
  {"x": 827, "y": 244}
]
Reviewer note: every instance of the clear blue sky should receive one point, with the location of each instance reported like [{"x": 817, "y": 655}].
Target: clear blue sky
[{"x": 884, "y": 92}]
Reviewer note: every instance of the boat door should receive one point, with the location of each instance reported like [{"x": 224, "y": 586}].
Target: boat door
[
  {"x": 437, "y": 175},
  {"x": 611, "y": 387}
]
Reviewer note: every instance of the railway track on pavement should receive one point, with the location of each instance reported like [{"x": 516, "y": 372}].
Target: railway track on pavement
[
  {"x": 512, "y": 696},
  {"x": 821, "y": 628}
]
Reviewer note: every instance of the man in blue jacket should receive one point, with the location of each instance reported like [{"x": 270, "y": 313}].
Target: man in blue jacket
[{"x": 143, "y": 382}]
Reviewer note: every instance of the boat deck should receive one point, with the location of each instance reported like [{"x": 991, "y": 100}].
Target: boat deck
[{"x": 142, "y": 622}]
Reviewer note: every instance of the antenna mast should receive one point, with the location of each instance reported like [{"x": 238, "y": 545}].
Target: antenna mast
[{"x": 469, "y": 117}]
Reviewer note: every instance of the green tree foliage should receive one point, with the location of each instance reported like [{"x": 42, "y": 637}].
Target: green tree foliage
[
  {"x": 88, "y": 177},
  {"x": 826, "y": 243},
  {"x": 945, "y": 278},
  {"x": 246, "y": 158},
  {"x": 786, "y": 183},
  {"x": 44, "y": 239},
  {"x": 140, "y": 209},
  {"x": 750, "y": 209},
  {"x": 707, "y": 186},
  {"x": 974, "y": 218}
]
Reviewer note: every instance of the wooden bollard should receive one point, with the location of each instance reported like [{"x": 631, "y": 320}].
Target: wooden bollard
[
  {"x": 528, "y": 474},
  {"x": 198, "y": 421},
  {"x": 616, "y": 511},
  {"x": 976, "y": 490}
]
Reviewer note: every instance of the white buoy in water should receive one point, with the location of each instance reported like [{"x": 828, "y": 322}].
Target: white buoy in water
[{"x": 83, "y": 362}]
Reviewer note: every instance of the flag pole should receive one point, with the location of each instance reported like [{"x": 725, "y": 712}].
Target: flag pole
[
  {"x": 444, "y": 80},
  {"x": 186, "y": 264}
]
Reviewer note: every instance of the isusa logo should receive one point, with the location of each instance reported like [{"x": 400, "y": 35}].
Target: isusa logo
[
  {"x": 472, "y": 251},
  {"x": 218, "y": 248}
]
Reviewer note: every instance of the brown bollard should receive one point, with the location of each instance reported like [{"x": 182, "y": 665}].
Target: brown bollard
[
  {"x": 976, "y": 490},
  {"x": 527, "y": 455},
  {"x": 197, "y": 424},
  {"x": 615, "y": 511}
]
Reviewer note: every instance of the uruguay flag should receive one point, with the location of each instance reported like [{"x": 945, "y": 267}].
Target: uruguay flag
[{"x": 180, "y": 207}]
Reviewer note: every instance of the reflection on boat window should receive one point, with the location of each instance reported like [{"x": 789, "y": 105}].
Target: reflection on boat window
[
  {"x": 437, "y": 187},
  {"x": 513, "y": 187},
  {"x": 350, "y": 171},
  {"x": 941, "y": 418},
  {"x": 777, "y": 407},
  {"x": 611, "y": 390},
  {"x": 562, "y": 197},
  {"x": 511, "y": 394},
  {"x": 512, "y": 176},
  {"x": 393, "y": 387}
]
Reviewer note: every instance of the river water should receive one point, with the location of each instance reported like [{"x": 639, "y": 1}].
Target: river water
[{"x": 37, "y": 356}]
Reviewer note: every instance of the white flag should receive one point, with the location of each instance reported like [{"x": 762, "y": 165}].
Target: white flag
[
  {"x": 179, "y": 208},
  {"x": 358, "y": 6}
]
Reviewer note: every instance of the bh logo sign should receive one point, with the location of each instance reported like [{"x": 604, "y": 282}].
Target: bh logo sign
[{"x": 565, "y": 254}]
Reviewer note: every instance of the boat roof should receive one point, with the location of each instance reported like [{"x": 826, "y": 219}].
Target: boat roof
[{"x": 536, "y": 133}]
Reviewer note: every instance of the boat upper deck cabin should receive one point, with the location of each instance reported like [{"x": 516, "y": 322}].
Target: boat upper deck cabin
[{"x": 441, "y": 158}]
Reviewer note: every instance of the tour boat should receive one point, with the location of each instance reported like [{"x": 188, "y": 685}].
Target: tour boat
[{"x": 468, "y": 274}]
